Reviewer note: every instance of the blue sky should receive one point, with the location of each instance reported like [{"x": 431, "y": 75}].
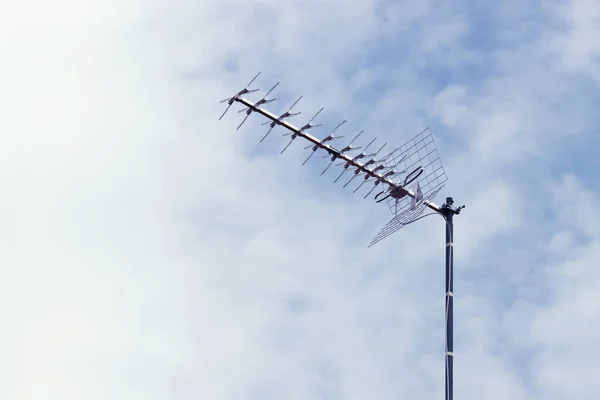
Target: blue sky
[{"x": 149, "y": 251}]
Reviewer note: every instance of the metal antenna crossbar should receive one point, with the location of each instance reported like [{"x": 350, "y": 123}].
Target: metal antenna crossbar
[
  {"x": 416, "y": 161},
  {"x": 333, "y": 151}
]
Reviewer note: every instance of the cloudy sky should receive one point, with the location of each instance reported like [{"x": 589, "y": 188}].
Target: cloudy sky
[{"x": 149, "y": 251}]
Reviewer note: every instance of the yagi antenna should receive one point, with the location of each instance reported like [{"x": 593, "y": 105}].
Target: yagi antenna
[{"x": 408, "y": 178}]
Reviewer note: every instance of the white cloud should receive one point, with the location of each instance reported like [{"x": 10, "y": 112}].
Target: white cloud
[
  {"x": 149, "y": 251},
  {"x": 578, "y": 48}
]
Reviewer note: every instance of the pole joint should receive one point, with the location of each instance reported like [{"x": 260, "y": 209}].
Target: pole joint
[{"x": 448, "y": 207}]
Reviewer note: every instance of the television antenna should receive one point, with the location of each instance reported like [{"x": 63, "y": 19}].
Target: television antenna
[{"x": 409, "y": 177}]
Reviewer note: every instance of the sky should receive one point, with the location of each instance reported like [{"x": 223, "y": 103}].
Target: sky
[{"x": 150, "y": 251}]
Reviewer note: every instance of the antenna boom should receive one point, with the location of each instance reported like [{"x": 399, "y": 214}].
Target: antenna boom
[{"x": 333, "y": 151}]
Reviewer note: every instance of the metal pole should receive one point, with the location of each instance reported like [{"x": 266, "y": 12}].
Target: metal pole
[{"x": 448, "y": 212}]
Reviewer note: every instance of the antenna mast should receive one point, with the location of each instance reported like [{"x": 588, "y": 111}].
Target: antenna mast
[{"x": 409, "y": 178}]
